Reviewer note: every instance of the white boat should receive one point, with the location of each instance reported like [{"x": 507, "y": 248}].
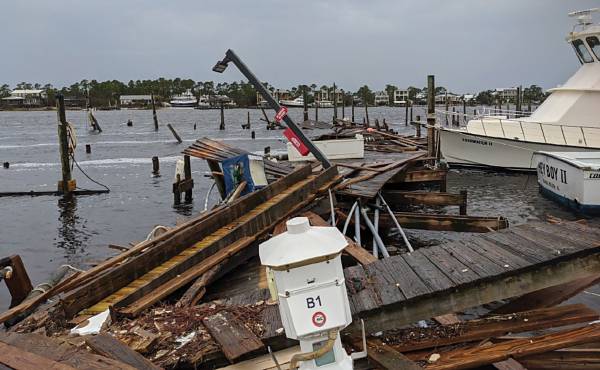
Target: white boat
[
  {"x": 333, "y": 149},
  {"x": 567, "y": 121},
  {"x": 324, "y": 103},
  {"x": 298, "y": 102},
  {"x": 572, "y": 179},
  {"x": 185, "y": 100}
]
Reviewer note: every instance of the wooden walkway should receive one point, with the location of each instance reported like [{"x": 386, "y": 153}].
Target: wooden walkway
[
  {"x": 429, "y": 282},
  {"x": 177, "y": 260}
]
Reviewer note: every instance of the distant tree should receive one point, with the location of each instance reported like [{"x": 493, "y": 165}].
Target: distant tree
[
  {"x": 4, "y": 91},
  {"x": 366, "y": 95},
  {"x": 533, "y": 94},
  {"x": 390, "y": 89},
  {"x": 485, "y": 97}
]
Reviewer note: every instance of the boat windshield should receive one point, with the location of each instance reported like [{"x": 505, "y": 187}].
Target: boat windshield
[
  {"x": 582, "y": 51},
  {"x": 594, "y": 44}
]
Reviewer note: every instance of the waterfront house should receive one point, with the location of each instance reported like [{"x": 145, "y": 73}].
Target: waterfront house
[
  {"x": 25, "y": 98},
  {"x": 382, "y": 98},
  {"x": 506, "y": 94},
  {"x": 135, "y": 100},
  {"x": 448, "y": 98},
  {"x": 400, "y": 96}
]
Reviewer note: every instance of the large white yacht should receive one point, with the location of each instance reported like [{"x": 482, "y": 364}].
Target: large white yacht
[
  {"x": 298, "y": 102},
  {"x": 185, "y": 100},
  {"x": 567, "y": 121}
]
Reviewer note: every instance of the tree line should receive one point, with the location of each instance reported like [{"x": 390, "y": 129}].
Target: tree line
[{"x": 105, "y": 93}]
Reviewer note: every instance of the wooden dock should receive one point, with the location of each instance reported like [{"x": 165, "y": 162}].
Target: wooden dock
[{"x": 400, "y": 290}]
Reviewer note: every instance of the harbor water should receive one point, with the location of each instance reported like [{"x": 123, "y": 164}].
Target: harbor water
[{"x": 48, "y": 231}]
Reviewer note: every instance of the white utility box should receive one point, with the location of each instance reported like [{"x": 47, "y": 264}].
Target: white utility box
[{"x": 305, "y": 263}]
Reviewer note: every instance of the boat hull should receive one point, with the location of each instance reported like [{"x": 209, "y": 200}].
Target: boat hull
[
  {"x": 574, "y": 187},
  {"x": 460, "y": 148},
  {"x": 333, "y": 149}
]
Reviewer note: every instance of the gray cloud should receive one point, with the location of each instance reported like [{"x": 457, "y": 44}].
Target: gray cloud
[{"x": 468, "y": 44}]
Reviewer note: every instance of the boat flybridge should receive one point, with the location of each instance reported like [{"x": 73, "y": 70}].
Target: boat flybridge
[{"x": 567, "y": 121}]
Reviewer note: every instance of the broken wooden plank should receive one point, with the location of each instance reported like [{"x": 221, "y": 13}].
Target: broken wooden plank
[
  {"x": 518, "y": 348},
  {"x": 383, "y": 356},
  {"x": 111, "y": 347},
  {"x": 197, "y": 290},
  {"x": 509, "y": 364},
  {"x": 571, "y": 359},
  {"x": 19, "y": 284},
  {"x": 19, "y": 359},
  {"x": 234, "y": 338},
  {"x": 428, "y": 198},
  {"x": 547, "y": 297},
  {"x": 437, "y": 222},
  {"x": 476, "y": 330},
  {"x": 422, "y": 176}
]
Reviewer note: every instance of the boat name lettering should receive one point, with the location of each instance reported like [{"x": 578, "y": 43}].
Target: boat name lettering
[
  {"x": 553, "y": 173},
  {"x": 595, "y": 175},
  {"x": 474, "y": 141}
]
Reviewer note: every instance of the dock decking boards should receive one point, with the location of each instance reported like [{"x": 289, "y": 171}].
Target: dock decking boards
[{"x": 396, "y": 291}]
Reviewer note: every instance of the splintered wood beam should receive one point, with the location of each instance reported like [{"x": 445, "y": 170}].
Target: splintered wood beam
[
  {"x": 19, "y": 359},
  {"x": 382, "y": 355},
  {"x": 421, "y": 176},
  {"x": 548, "y": 297},
  {"x": 467, "y": 358},
  {"x": 479, "y": 329},
  {"x": 424, "y": 221},
  {"x": 111, "y": 347},
  {"x": 427, "y": 198},
  {"x": 571, "y": 359},
  {"x": 482, "y": 292},
  {"x": 235, "y": 339}
]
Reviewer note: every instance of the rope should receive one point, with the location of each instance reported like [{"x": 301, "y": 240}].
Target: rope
[
  {"x": 72, "y": 268},
  {"x": 86, "y": 175},
  {"x": 152, "y": 233}
]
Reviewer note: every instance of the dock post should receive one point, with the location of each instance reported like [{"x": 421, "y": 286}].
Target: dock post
[
  {"x": 175, "y": 134},
  {"x": 222, "y": 125},
  {"x": 67, "y": 185},
  {"x": 352, "y": 110},
  {"x": 248, "y": 121},
  {"x": 305, "y": 103},
  {"x": 88, "y": 148},
  {"x": 154, "y": 116},
  {"x": 187, "y": 171},
  {"x": 176, "y": 192},
  {"x": 217, "y": 175},
  {"x": 316, "y": 111},
  {"x": 253, "y": 135},
  {"x": 266, "y": 117},
  {"x": 155, "y": 166},
  {"x": 335, "y": 115},
  {"x": 464, "y": 111},
  {"x": 411, "y": 110},
  {"x": 406, "y": 114},
  {"x": 6, "y": 165},
  {"x": 447, "y": 107},
  {"x": 518, "y": 102},
  {"x": 454, "y": 120},
  {"x": 343, "y": 104},
  {"x": 463, "y": 206},
  {"x": 418, "y": 126},
  {"x": 366, "y": 109},
  {"x": 431, "y": 116}
]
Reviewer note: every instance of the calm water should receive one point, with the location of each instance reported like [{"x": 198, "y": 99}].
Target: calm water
[{"x": 48, "y": 232}]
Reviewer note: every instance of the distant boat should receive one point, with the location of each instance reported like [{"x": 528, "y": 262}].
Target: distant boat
[
  {"x": 570, "y": 178},
  {"x": 324, "y": 103},
  {"x": 298, "y": 102},
  {"x": 185, "y": 100},
  {"x": 567, "y": 121}
]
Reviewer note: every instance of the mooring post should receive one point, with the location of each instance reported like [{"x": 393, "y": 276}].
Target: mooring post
[
  {"x": 67, "y": 185},
  {"x": 154, "y": 116},
  {"x": 176, "y": 192},
  {"x": 317, "y": 110},
  {"x": 406, "y": 113},
  {"x": 305, "y": 103},
  {"x": 217, "y": 175},
  {"x": 464, "y": 111},
  {"x": 175, "y": 134},
  {"x": 366, "y": 109},
  {"x": 518, "y": 102},
  {"x": 447, "y": 107},
  {"x": 248, "y": 121},
  {"x": 222, "y": 125},
  {"x": 454, "y": 120},
  {"x": 335, "y": 115},
  {"x": 266, "y": 117},
  {"x": 253, "y": 135},
  {"x": 418, "y": 126},
  {"x": 6, "y": 164},
  {"x": 88, "y": 148},
  {"x": 463, "y": 206},
  {"x": 343, "y": 104},
  {"x": 189, "y": 183},
  {"x": 352, "y": 110},
  {"x": 155, "y": 166},
  {"x": 431, "y": 116}
]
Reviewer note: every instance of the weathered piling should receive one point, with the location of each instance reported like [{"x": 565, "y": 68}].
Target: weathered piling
[
  {"x": 343, "y": 104},
  {"x": 6, "y": 165},
  {"x": 305, "y": 104},
  {"x": 266, "y": 117},
  {"x": 317, "y": 111},
  {"x": 222, "y": 124},
  {"x": 66, "y": 185},
  {"x": 253, "y": 135},
  {"x": 154, "y": 116},
  {"x": 464, "y": 119},
  {"x": 406, "y": 114},
  {"x": 431, "y": 116},
  {"x": 418, "y": 126},
  {"x": 175, "y": 134},
  {"x": 335, "y": 112},
  {"x": 155, "y": 166},
  {"x": 447, "y": 107},
  {"x": 411, "y": 110},
  {"x": 129, "y": 123},
  {"x": 518, "y": 102},
  {"x": 88, "y": 148},
  {"x": 366, "y": 108},
  {"x": 352, "y": 110},
  {"x": 248, "y": 122},
  {"x": 184, "y": 185}
]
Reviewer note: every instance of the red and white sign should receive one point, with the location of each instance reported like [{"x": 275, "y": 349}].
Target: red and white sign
[
  {"x": 319, "y": 319},
  {"x": 300, "y": 147},
  {"x": 282, "y": 113}
]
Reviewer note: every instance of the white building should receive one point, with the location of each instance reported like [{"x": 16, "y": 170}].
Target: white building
[
  {"x": 26, "y": 98},
  {"x": 130, "y": 100},
  {"x": 400, "y": 96},
  {"x": 382, "y": 98},
  {"x": 506, "y": 94}
]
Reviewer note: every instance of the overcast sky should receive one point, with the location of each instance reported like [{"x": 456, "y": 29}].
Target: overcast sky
[{"x": 469, "y": 45}]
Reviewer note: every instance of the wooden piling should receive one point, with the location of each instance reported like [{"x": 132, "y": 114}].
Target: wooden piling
[
  {"x": 411, "y": 110},
  {"x": 187, "y": 170},
  {"x": 418, "y": 126},
  {"x": 464, "y": 119},
  {"x": 253, "y": 135},
  {"x": 335, "y": 115},
  {"x": 155, "y": 166},
  {"x": 88, "y": 148},
  {"x": 366, "y": 109},
  {"x": 175, "y": 134},
  {"x": 316, "y": 111},
  {"x": 266, "y": 117},
  {"x": 406, "y": 114},
  {"x": 463, "y": 206},
  {"x": 518, "y": 102},
  {"x": 454, "y": 120},
  {"x": 6, "y": 164},
  {"x": 343, "y": 104},
  {"x": 222, "y": 125},
  {"x": 248, "y": 122},
  {"x": 305, "y": 104},
  {"x": 154, "y": 116},
  {"x": 431, "y": 152},
  {"x": 352, "y": 110},
  {"x": 67, "y": 185}
]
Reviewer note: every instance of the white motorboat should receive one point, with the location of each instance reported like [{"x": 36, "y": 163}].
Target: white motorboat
[
  {"x": 298, "y": 102},
  {"x": 333, "y": 149},
  {"x": 572, "y": 179},
  {"x": 185, "y": 100},
  {"x": 567, "y": 121},
  {"x": 324, "y": 103}
]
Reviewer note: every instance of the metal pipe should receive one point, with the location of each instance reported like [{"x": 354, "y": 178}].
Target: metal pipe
[
  {"x": 376, "y": 224},
  {"x": 393, "y": 216},
  {"x": 357, "y": 224},
  {"x": 376, "y": 236},
  {"x": 332, "y": 208},
  {"x": 348, "y": 218}
]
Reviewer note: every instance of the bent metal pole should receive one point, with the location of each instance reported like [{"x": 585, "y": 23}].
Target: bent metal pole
[{"x": 230, "y": 56}]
